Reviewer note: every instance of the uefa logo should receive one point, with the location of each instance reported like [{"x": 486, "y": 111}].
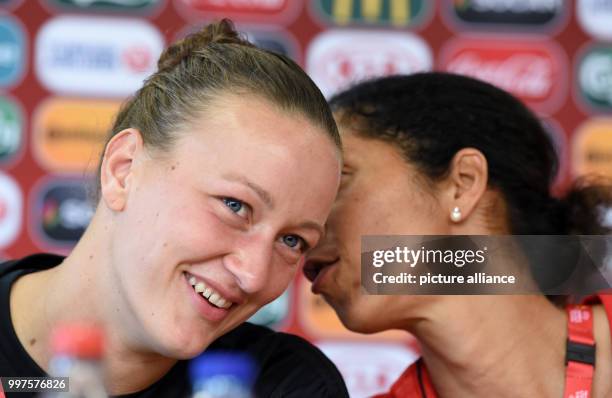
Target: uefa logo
[
  {"x": 12, "y": 52},
  {"x": 338, "y": 58},
  {"x": 96, "y": 56},
  {"x": 60, "y": 212},
  {"x": 394, "y": 13},
  {"x": 595, "y": 78},
  {"x": 11, "y": 130},
  {"x": 11, "y": 210}
]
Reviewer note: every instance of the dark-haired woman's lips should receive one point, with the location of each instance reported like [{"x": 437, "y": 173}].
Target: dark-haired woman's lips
[{"x": 317, "y": 271}]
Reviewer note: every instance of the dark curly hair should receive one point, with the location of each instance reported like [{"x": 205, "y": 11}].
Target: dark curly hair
[{"x": 431, "y": 116}]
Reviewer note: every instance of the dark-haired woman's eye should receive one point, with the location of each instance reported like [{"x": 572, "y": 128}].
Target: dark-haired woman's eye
[
  {"x": 345, "y": 178},
  {"x": 237, "y": 206}
]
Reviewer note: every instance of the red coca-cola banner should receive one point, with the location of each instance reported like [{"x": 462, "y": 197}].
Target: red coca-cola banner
[{"x": 535, "y": 71}]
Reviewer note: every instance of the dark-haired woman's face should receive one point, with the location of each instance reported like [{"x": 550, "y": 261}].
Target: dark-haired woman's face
[
  {"x": 380, "y": 194},
  {"x": 217, "y": 227}
]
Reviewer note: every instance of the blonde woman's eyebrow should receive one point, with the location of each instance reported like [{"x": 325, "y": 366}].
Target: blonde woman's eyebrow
[{"x": 258, "y": 189}]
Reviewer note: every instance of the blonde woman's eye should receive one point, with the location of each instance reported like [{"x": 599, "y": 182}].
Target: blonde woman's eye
[
  {"x": 295, "y": 242},
  {"x": 235, "y": 205}
]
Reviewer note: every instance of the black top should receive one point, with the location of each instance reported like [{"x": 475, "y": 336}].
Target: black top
[{"x": 289, "y": 365}]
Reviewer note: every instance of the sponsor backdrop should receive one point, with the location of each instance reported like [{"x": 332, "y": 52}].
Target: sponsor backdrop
[{"x": 66, "y": 65}]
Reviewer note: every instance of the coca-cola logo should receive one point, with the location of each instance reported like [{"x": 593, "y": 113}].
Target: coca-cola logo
[
  {"x": 533, "y": 72},
  {"x": 525, "y": 75},
  {"x": 337, "y": 59}
]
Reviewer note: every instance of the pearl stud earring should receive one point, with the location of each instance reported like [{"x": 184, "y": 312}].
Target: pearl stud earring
[{"x": 456, "y": 214}]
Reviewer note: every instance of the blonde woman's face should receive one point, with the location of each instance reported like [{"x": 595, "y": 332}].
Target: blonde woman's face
[{"x": 233, "y": 208}]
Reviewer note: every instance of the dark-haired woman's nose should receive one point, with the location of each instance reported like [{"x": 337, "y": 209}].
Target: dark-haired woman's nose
[{"x": 321, "y": 256}]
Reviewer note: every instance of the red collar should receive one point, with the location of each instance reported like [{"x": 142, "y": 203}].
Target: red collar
[{"x": 580, "y": 360}]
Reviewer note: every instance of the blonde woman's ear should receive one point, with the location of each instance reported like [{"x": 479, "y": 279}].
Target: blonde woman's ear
[{"x": 117, "y": 167}]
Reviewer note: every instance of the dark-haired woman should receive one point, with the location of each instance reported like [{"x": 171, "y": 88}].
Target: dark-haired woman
[
  {"x": 217, "y": 177},
  {"x": 440, "y": 154}
]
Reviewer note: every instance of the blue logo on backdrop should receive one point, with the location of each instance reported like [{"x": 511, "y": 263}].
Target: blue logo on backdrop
[
  {"x": 12, "y": 51},
  {"x": 81, "y": 56}
]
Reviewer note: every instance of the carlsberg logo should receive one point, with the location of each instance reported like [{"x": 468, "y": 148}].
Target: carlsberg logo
[{"x": 595, "y": 76}]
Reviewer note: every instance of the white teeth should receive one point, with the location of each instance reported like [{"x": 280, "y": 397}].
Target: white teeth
[
  {"x": 209, "y": 294},
  {"x": 213, "y": 298}
]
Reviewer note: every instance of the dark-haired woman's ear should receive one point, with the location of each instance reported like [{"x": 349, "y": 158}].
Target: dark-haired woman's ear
[
  {"x": 465, "y": 185},
  {"x": 117, "y": 167}
]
